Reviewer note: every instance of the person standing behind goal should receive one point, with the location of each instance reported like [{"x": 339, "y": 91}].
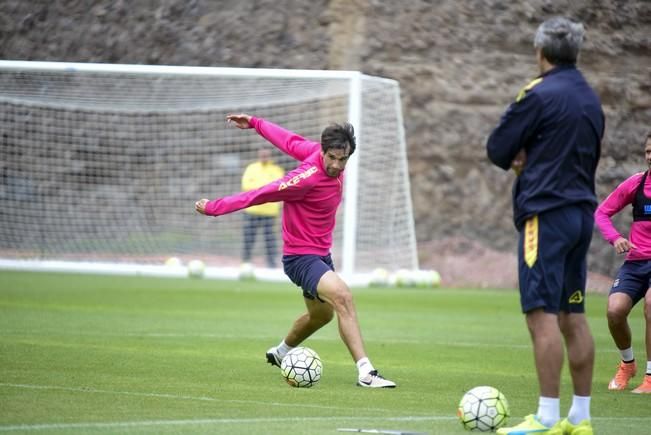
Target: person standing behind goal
[
  {"x": 634, "y": 277},
  {"x": 311, "y": 194},
  {"x": 257, "y": 174},
  {"x": 551, "y": 136}
]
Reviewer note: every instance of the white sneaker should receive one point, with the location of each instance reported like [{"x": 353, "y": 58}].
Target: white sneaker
[
  {"x": 273, "y": 358},
  {"x": 374, "y": 380}
]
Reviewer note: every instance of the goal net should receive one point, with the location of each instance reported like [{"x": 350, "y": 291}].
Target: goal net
[{"x": 102, "y": 164}]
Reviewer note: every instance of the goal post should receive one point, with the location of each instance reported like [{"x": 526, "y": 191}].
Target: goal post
[{"x": 102, "y": 163}]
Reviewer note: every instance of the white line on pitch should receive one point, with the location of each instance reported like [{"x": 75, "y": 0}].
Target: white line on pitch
[
  {"x": 108, "y": 425},
  {"x": 178, "y": 397}
]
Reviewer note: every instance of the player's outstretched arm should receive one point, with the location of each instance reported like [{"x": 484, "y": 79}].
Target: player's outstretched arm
[
  {"x": 286, "y": 141},
  {"x": 241, "y": 120},
  {"x": 292, "y": 187}
]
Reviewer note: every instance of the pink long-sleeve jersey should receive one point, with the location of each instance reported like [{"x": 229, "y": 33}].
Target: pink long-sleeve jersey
[
  {"x": 311, "y": 197},
  {"x": 640, "y": 234}
]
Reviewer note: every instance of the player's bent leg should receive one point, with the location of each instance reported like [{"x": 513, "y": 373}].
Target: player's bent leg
[
  {"x": 334, "y": 291},
  {"x": 619, "y": 307},
  {"x": 318, "y": 315},
  {"x": 531, "y": 425}
]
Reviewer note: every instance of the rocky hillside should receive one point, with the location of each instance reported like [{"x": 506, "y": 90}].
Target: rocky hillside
[{"x": 459, "y": 62}]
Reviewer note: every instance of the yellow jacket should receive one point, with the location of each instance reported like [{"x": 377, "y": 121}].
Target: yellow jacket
[{"x": 257, "y": 174}]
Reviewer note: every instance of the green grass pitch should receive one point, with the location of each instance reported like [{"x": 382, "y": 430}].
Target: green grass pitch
[{"x": 110, "y": 354}]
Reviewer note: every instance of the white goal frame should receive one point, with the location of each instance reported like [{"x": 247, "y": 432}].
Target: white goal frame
[{"x": 351, "y": 188}]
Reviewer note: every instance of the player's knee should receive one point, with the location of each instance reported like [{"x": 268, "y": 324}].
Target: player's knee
[
  {"x": 342, "y": 300},
  {"x": 616, "y": 314},
  {"x": 572, "y": 325}
]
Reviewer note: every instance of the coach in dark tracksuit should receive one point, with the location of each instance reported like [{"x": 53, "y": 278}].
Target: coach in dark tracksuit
[{"x": 551, "y": 137}]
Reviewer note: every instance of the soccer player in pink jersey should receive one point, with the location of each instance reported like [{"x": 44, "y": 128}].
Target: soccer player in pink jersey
[
  {"x": 634, "y": 277},
  {"x": 311, "y": 194}
]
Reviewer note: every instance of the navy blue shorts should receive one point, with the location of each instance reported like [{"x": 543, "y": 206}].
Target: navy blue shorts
[
  {"x": 552, "y": 260},
  {"x": 633, "y": 278},
  {"x": 306, "y": 270}
]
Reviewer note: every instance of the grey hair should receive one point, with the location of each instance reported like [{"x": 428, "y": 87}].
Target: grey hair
[{"x": 559, "y": 39}]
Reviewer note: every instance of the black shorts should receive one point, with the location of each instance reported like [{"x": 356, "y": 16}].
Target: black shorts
[
  {"x": 552, "y": 260},
  {"x": 306, "y": 270},
  {"x": 633, "y": 279}
]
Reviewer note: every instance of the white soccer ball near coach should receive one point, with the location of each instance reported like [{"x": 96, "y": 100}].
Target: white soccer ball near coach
[{"x": 483, "y": 409}]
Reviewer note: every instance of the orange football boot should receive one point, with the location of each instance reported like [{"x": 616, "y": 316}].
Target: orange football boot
[
  {"x": 625, "y": 372},
  {"x": 645, "y": 387}
]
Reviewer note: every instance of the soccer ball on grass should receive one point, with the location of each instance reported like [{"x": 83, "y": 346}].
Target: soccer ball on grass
[
  {"x": 301, "y": 367},
  {"x": 246, "y": 272},
  {"x": 196, "y": 269},
  {"x": 483, "y": 409},
  {"x": 379, "y": 278},
  {"x": 426, "y": 278}
]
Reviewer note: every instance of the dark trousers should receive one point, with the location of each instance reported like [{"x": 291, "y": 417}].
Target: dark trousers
[{"x": 251, "y": 225}]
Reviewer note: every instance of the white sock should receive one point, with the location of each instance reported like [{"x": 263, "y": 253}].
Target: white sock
[
  {"x": 580, "y": 409},
  {"x": 627, "y": 354},
  {"x": 648, "y": 368},
  {"x": 283, "y": 348},
  {"x": 364, "y": 366},
  {"x": 549, "y": 410}
]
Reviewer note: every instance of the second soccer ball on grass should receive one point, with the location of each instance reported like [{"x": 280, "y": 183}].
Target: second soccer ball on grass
[
  {"x": 483, "y": 409},
  {"x": 301, "y": 367}
]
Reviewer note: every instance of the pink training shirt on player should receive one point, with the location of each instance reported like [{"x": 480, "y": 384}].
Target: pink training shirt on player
[
  {"x": 310, "y": 195},
  {"x": 640, "y": 234}
]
